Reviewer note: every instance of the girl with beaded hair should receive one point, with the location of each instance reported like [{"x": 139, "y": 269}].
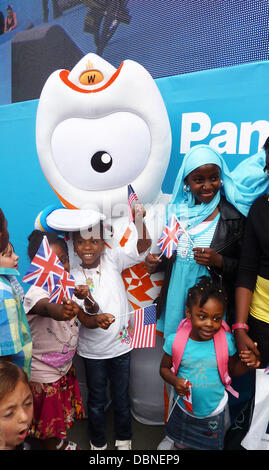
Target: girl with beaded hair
[{"x": 197, "y": 419}]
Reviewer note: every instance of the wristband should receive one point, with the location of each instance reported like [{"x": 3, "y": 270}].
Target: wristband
[{"x": 240, "y": 325}]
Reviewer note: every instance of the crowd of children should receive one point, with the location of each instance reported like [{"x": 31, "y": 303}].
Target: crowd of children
[
  {"x": 46, "y": 341},
  {"x": 39, "y": 392}
]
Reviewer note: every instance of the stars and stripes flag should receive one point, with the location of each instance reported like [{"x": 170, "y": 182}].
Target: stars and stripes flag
[
  {"x": 144, "y": 333},
  {"x": 132, "y": 197},
  {"x": 170, "y": 236},
  {"x": 46, "y": 271}
]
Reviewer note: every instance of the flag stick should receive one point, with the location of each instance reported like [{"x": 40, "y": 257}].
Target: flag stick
[
  {"x": 161, "y": 254},
  {"x": 174, "y": 404},
  {"x": 171, "y": 411},
  {"x": 130, "y": 313},
  {"x": 185, "y": 231}
]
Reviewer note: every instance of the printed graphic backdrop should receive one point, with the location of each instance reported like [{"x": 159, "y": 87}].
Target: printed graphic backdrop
[
  {"x": 209, "y": 59},
  {"x": 226, "y": 107}
]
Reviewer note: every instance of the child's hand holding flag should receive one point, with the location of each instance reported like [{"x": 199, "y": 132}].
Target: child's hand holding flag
[
  {"x": 183, "y": 389},
  {"x": 132, "y": 198}
]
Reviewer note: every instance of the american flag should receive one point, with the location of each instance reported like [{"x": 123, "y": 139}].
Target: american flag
[
  {"x": 132, "y": 197},
  {"x": 169, "y": 238},
  {"x": 144, "y": 327},
  {"x": 64, "y": 288},
  {"x": 45, "y": 269}
]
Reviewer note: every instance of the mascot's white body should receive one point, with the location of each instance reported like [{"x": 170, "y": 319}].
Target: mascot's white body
[{"x": 99, "y": 129}]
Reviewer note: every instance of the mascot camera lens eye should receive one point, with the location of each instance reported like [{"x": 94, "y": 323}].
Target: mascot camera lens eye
[{"x": 101, "y": 161}]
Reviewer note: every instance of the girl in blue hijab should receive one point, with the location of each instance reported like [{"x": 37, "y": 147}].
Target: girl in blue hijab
[{"x": 211, "y": 203}]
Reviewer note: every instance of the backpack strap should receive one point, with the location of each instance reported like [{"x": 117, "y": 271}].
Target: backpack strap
[
  {"x": 221, "y": 348},
  {"x": 222, "y": 355},
  {"x": 179, "y": 344}
]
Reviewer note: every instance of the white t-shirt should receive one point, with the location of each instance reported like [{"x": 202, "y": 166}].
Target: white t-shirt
[{"x": 107, "y": 288}]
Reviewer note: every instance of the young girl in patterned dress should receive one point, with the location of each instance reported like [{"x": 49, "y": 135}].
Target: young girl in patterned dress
[{"x": 54, "y": 329}]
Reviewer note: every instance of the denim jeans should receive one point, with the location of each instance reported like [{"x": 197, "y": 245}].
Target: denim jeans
[
  {"x": 98, "y": 371},
  {"x": 195, "y": 433}
]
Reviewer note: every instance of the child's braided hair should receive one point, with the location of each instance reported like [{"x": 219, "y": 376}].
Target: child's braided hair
[
  {"x": 204, "y": 289},
  {"x": 35, "y": 239}
]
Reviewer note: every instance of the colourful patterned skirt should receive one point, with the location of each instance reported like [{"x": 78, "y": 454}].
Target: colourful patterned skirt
[{"x": 56, "y": 405}]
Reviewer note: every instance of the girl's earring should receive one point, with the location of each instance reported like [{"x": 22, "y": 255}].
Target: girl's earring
[
  {"x": 186, "y": 188},
  {"x": 221, "y": 183}
]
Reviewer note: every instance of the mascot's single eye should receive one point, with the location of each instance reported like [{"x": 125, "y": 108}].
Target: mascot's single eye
[
  {"x": 101, "y": 161},
  {"x": 101, "y": 154}
]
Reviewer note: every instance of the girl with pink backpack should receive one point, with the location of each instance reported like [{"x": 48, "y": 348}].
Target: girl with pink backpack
[{"x": 198, "y": 361}]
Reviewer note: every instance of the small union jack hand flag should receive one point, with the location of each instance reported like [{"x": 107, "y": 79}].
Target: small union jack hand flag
[
  {"x": 132, "y": 197},
  {"x": 45, "y": 269},
  {"x": 170, "y": 236},
  {"x": 187, "y": 399},
  {"x": 64, "y": 288}
]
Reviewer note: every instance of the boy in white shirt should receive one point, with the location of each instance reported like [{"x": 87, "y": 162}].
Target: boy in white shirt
[{"x": 106, "y": 350}]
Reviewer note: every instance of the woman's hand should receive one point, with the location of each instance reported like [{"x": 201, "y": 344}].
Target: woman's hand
[
  {"x": 152, "y": 262},
  {"x": 207, "y": 257},
  {"x": 244, "y": 342}
]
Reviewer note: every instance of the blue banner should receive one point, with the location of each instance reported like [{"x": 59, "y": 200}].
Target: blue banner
[{"x": 226, "y": 108}]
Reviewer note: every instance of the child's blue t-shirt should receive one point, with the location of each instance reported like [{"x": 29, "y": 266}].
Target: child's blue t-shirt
[{"x": 199, "y": 366}]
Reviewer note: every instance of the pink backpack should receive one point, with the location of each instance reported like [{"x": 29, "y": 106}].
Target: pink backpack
[{"x": 221, "y": 348}]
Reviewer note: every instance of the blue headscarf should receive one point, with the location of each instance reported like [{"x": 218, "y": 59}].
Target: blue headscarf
[{"x": 240, "y": 187}]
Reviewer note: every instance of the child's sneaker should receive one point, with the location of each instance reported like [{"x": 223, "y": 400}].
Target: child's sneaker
[
  {"x": 123, "y": 445},
  {"x": 72, "y": 446},
  {"x": 166, "y": 444},
  {"x": 92, "y": 447},
  {"x": 67, "y": 445}
]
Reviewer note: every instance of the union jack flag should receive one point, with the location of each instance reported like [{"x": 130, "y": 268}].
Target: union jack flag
[
  {"x": 144, "y": 334},
  {"x": 169, "y": 238},
  {"x": 187, "y": 399},
  {"x": 132, "y": 197},
  {"x": 45, "y": 269},
  {"x": 64, "y": 288}
]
